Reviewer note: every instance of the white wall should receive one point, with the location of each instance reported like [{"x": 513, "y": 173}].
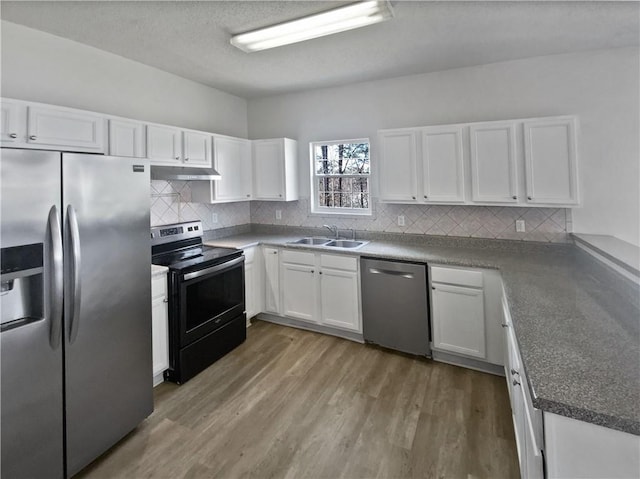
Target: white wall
[
  {"x": 602, "y": 87},
  {"x": 41, "y": 67}
]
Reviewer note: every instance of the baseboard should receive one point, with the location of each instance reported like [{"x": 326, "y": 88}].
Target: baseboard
[
  {"x": 316, "y": 328},
  {"x": 468, "y": 363}
]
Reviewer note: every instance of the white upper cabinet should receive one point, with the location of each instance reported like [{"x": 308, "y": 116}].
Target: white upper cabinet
[
  {"x": 551, "y": 161},
  {"x": 443, "y": 164},
  {"x": 164, "y": 145},
  {"x": 494, "y": 171},
  {"x": 170, "y": 146},
  {"x": 398, "y": 153},
  {"x": 126, "y": 138},
  {"x": 12, "y": 127},
  {"x": 232, "y": 159},
  {"x": 196, "y": 149},
  {"x": 275, "y": 170}
]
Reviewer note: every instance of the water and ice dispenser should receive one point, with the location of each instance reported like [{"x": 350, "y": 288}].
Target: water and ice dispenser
[{"x": 21, "y": 285}]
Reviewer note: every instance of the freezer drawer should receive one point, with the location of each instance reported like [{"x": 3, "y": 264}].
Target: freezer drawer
[{"x": 395, "y": 312}]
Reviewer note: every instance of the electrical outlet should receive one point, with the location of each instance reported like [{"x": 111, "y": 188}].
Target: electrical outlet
[
  {"x": 400, "y": 220},
  {"x": 520, "y": 226},
  {"x": 214, "y": 217},
  {"x": 278, "y": 214}
]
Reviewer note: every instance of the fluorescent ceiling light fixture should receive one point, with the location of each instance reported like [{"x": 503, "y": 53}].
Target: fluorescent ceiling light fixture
[{"x": 333, "y": 21}]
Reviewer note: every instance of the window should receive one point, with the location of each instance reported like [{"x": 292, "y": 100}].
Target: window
[{"x": 340, "y": 172}]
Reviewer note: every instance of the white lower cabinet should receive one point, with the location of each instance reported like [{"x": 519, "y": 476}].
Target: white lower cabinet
[
  {"x": 457, "y": 300},
  {"x": 159, "y": 326},
  {"x": 253, "y": 285},
  {"x": 321, "y": 289},
  {"x": 271, "y": 280}
]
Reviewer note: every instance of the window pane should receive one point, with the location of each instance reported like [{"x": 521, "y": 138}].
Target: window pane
[{"x": 342, "y": 159}]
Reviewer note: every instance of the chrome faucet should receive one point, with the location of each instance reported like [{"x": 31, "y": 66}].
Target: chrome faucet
[{"x": 333, "y": 229}]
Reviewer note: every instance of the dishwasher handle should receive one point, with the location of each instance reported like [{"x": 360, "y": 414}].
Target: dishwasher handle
[{"x": 389, "y": 272}]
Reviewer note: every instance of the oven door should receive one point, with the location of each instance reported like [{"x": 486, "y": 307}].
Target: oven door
[{"x": 209, "y": 298}]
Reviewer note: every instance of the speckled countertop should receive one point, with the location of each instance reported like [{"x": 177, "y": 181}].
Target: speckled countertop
[{"x": 577, "y": 322}]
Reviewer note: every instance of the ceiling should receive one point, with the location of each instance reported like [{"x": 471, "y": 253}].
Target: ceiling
[{"x": 191, "y": 39}]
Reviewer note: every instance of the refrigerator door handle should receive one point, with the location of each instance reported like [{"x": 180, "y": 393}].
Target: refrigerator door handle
[
  {"x": 57, "y": 277},
  {"x": 74, "y": 307}
]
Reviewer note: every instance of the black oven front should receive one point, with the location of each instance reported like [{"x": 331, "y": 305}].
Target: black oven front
[{"x": 206, "y": 315}]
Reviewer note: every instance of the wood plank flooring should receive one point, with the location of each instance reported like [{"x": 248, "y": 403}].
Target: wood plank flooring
[{"x": 294, "y": 404}]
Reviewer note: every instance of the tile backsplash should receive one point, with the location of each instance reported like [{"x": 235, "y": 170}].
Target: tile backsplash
[
  {"x": 171, "y": 202},
  {"x": 541, "y": 224}
]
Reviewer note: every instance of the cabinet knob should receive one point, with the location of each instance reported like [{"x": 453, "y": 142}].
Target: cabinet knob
[
  {"x": 425, "y": 197},
  {"x": 165, "y": 300},
  {"x": 413, "y": 197},
  {"x": 186, "y": 159},
  {"x": 33, "y": 137},
  {"x": 433, "y": 287},
  {"x": 13, "y": 135},
  {"x": 529, "y": 198},
  {"x": 312, "y": 271},
  {"x": 319, "y": 272},
  {"x": 248, "y": 196},
  {"x": 516, "y": 382},
  {"x": 514, "y": 197},
  {"x": 514, "y": 372},
  {"x": 504, "y": 325},
  {"x": 177, "y": 158},
  {"x": 275, "y": 252},
  {"x": 280, "y": 195}
]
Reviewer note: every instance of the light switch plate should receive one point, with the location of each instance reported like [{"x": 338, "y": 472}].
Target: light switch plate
[
  {"x": 214, "y": 218},
  {"x": 520, "y": 226},
  {"x": 400, "y": 220},
  {"x": 278, "y": 214}
]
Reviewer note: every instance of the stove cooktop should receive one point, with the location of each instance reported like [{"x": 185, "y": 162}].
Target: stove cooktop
[{"x": 194, "y": 257}]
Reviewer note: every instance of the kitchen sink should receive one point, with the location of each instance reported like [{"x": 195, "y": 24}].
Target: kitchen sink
[
  {"x": 350, "y": 244},
  {"x": 312, "y": 241}
]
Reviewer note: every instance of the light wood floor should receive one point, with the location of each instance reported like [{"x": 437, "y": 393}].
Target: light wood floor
[{"x": 294, "y": 404}]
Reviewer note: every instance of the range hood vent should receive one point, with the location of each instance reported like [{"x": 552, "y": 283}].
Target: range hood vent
[{"x": 184, "y": 174}]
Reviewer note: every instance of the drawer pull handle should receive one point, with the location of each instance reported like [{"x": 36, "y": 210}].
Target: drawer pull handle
[
  {"x": 33, "y": 137},
  {"x": 516, "y": 383},
  {"x": 514, "y": 372},
  {"x": 165, "y": 300},
  {"x": 13, "y": 135}
]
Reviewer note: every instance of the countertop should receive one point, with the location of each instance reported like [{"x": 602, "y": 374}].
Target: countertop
[
  {"x": 576, "y": 321},
  {"x": 157, "y": 270}
]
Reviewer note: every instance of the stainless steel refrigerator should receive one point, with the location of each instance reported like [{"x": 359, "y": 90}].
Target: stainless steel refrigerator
[{"x": 75, "y": 301}]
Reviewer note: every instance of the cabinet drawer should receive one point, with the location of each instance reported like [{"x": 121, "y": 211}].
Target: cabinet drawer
[
  {"x": 346, "y": 263},
  {"x": 158, "y": 287},
  {"x": 298, "y": 257},
  {"x": 463, "y": 277}
]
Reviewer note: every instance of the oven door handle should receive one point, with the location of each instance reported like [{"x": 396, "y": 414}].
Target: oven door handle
[{"x": 213, "y": 269}]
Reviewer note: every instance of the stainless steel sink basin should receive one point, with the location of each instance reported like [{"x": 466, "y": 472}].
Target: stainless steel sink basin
[
  {"x": 350, "y": 244},
  {"x": 312, "y": 241}
]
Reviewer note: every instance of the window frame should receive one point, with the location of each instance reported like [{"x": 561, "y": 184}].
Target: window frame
[{"x": 313, "y": 176}]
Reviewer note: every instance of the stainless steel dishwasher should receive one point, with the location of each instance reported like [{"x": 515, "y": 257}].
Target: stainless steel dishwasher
[{"x": 395, "y": 313}]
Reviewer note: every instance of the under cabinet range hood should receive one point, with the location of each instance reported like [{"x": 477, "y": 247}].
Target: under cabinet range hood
[{"x": 184, "y": 174}]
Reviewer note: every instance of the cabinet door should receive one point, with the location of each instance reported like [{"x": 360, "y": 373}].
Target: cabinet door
[
  {"x": 126, "y": 138},
  {"x": 232, "y": 159},
  {"x": 299, "y": 291},
  {"x": 197, "y": 149},
  {"x": 494, "y": 175},
  {"x": 397, "y": 159},
  {"x": 64, "y": 128},
  {"x": 12, "y": 123},
  {"x": 442, "y": 163},
  {"x": 159, "y": 335},
  {"x": 340, "y": 303},
  {"x": 271, "y": 280},
  {"x": 550, "y": 161},
  {"x": 249, "y": 290},
  {"x": 268, "y": 177},
  {"x": 458, "y": 320},
  {"x": 164, "y": 145}
]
